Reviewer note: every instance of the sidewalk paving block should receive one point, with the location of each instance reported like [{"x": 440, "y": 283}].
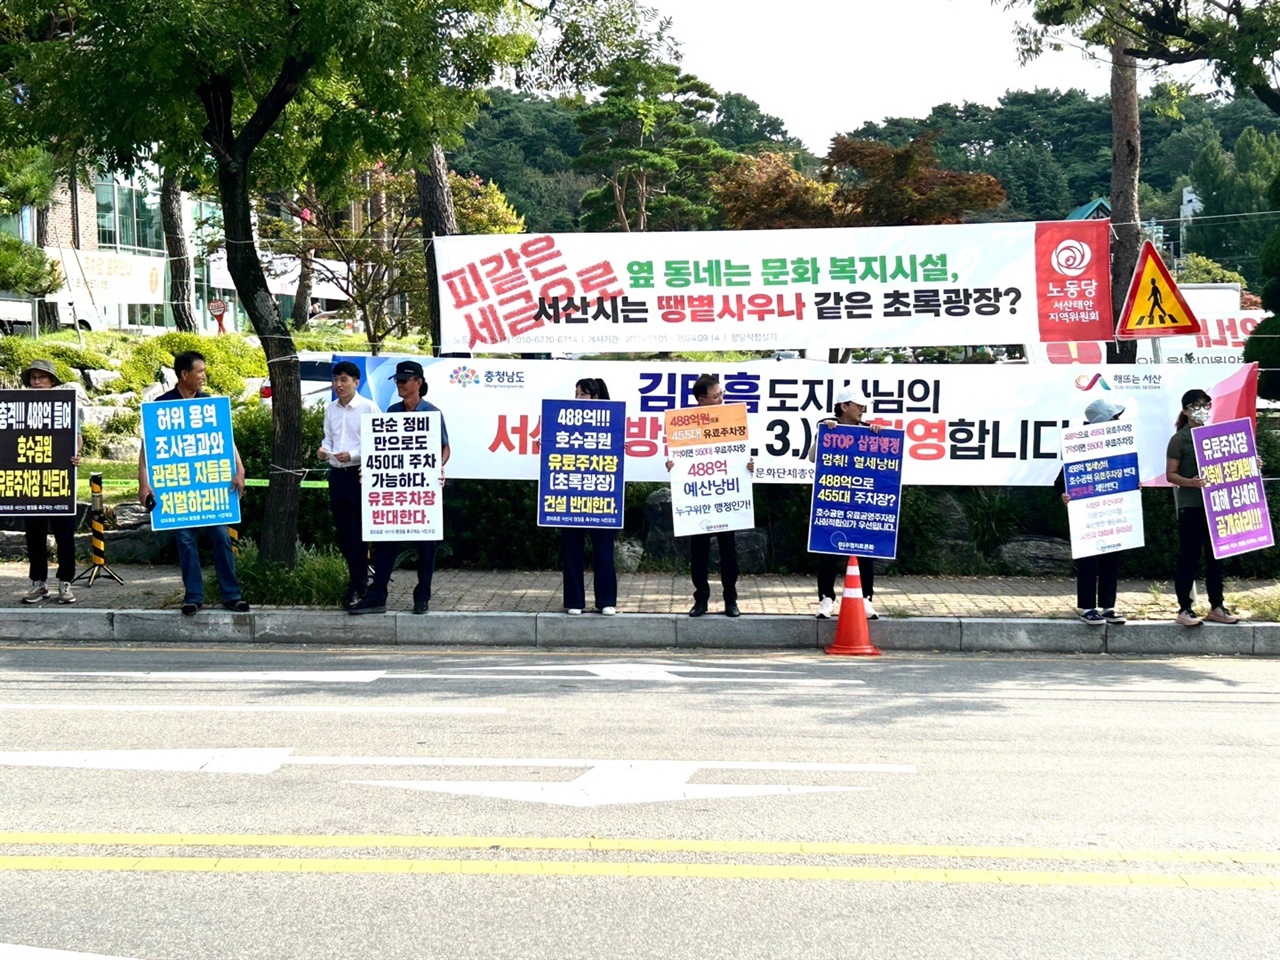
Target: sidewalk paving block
[{"x": 466, "y": 629}]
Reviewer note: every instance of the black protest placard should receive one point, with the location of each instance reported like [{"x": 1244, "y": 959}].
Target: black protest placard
[{"x": 37, "y": 442}]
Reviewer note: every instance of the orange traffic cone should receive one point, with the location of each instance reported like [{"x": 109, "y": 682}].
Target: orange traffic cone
[{"x": 852, "y": 637}]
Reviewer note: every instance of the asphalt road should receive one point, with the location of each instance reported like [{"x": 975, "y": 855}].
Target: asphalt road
[{"x": 158, "y": 802}]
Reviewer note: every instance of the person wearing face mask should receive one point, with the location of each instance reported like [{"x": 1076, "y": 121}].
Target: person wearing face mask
[
  {"x": 1097, "y": 577},
  {"x": 573, "y": 542},
  {"x": 1182, "y": 471}
]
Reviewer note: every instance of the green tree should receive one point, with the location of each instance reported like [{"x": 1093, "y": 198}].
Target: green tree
[
  {"x": 210, "y": 81},
  {"x": 1233, "y": 188},
  {"x": 641, "y": 143},
  {"x": 482, "y": 207},
  {"x": 1197, "y": 268},
  {"x": 26, "y": 180},
  {"x": 1032, "y": 178},
  {"x": 768, "y": 193}
]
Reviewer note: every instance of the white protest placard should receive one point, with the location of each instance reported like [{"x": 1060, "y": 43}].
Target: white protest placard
[
  {"x": 710, "y": 483},
  {"x": 400, "y": 485},
  {"x": 1100, "y": 467}
]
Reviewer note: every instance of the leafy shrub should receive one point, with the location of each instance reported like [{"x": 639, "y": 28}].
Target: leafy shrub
[
  {"x": 229, "y": 359},
  {"x": 253, "y": 427},
  {"x": 91, "y": 434},
  {"x": 318, "y": 579},
  {"x": 127, "y": 423},
  {"x": 993, "y": 517}
]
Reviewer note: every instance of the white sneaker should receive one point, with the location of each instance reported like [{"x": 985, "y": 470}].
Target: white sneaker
[
  {"x": 825, "y": 606},
  {"x": 64, "y": 592},
  {"x": 871, "y": 611},
  {"x": 574, "y": 611},
  {"x": 39, "y": 590},
  {"x": 608, "y": 611}
]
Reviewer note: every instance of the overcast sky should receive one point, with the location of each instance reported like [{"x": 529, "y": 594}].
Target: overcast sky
[{"x": 826, "y": 66}]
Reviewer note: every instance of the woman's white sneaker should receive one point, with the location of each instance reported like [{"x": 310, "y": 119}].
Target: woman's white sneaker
[
  {"x": 871, "y": 611},
  {"x": 825, "y": 606}
]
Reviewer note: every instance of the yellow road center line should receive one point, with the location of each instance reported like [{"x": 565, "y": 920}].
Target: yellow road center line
[
  {"x": 637, "y": 845},
  {"x": 695, "y": 871}
]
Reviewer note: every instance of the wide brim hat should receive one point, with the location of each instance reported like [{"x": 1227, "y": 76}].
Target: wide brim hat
[
  {"x": 43, "y": 366},
  {"x": 1102, "y": 410}
]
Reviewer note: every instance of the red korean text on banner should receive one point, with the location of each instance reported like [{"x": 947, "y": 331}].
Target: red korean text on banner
[{"x": 1073, "y": 280}]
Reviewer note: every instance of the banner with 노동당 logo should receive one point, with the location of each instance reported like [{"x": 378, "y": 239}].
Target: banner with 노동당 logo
[
  {"x": 37, "y": 442},
  {"x": 191, "y": 462},
  {"x": 1235, "y": 501},
  {"x": 709, "y": 449},
  {"x": 768, "y": 289}
]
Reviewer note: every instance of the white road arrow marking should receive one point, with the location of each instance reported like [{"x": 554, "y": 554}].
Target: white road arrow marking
[
  {"x": 235, "y": 676},
  {"x": 604, "y": 782},
  {"x": 15, "y": 951},
  {"x": 652, "y": 672}
]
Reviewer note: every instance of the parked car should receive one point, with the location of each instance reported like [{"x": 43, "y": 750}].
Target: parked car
[{"x": 317, "y": 380}]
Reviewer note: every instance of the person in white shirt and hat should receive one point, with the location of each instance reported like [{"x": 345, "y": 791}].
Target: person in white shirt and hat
[{"x": 848, "y": 407}]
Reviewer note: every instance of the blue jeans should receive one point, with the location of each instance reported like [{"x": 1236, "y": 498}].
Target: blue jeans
[{"x": 224, "y": 562}]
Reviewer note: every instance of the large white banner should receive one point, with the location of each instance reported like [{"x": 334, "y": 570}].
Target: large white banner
[
  {"x": 992, "y": 425},
  {"x": 768, "y": 289}
]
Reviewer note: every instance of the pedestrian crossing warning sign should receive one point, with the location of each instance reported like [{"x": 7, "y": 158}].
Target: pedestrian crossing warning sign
[{"x": 1154, "y": 306}]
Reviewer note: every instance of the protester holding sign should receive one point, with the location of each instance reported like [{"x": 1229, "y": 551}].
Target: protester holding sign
[
  {"x": 707, "y": 392},
  {"x": 409, "y": 386},
  {"x": 1097, "y": 575},
  {"x": 189, "y": 368},
  {"x": 1193, "y": 527},
  {"x": 573, "y": 539},
  {"x": 341, "y": 450},
  {"x": 42, "y": 376},
  {"x": 849, "y": 407}
]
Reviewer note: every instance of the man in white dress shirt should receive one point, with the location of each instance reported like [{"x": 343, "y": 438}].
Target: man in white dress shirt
[{"x": 341, "y": 449}]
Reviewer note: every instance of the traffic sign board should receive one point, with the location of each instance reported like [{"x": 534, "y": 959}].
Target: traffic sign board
[
  {"x": 1154, "y": 307},
  {"x": 217, "y": 308}
]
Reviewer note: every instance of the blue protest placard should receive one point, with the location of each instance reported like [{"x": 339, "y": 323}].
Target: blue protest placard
[
  {"x": 580, "y": 476},
  {"x": 191, "y": 460},
  {"x": 857, "y": 492}
]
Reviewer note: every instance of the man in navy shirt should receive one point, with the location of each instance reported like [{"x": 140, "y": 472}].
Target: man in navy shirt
[
  {"x": 190, "y": 370},
  {"x": 410, "y": 383}
]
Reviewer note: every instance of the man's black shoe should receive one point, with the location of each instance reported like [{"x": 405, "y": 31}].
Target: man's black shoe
[
  {"x": 367, "y": 606},
  {"x": 352, "y": 595},
  {"x": 698, "y": 609},
  {"x": 191, "y": 609},
  {"x": 731, "y": 609},
  {"x": 420, "y": 606},
  {"x": 236, "y": 606}
]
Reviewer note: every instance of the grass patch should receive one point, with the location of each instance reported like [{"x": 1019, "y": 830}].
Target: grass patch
[{"x": 318, "y": 579}]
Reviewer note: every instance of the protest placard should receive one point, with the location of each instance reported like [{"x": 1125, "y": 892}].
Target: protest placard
[
  {"x": 1100, "y": 469},
  {"x": 191, "y": 461},
  {"x": 580, "y": 481},
  {"x": 1235, "y": 501},
  {"x": 857, "y": 491},
  {"x": 710, "y": 483},
  {"x": 400, "y": 468},
  {"x": 37, "y": 442},
  {"x": 941, "y": 285}
]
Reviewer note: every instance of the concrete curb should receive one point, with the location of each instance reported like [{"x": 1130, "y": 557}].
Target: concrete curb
[{"x": 631, "y": 631}]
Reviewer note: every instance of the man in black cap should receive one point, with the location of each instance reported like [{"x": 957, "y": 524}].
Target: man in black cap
[{"x": 410, "y": 385}]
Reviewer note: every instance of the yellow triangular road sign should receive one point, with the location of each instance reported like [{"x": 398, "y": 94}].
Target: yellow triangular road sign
[{"x": 1154, "y": 306}]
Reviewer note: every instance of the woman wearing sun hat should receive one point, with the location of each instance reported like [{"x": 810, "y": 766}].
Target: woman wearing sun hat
[{"x": 41, "y": 375}]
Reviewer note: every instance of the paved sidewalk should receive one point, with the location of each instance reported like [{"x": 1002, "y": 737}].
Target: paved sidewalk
[{"x": 500, "y": 591}]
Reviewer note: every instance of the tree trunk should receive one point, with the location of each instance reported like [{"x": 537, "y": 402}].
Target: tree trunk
[
  {"x": 175, "y": 242},
  {"x": 439, "y": 219},
  {"x": 1126, "y": 156},
  {"x": 47, "y": 319},
  {"x": 280, "y": 526},
  {"x": 302, "y": 296}
]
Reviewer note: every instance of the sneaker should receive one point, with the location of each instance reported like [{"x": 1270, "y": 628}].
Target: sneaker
[
  {"x": 825, "y": 606},
  {"x": 39, "y": 590},
  {"x": 1111, "y": 616},
  {"x": 1221, "y": 614},
  {"x": 1093, "y": 618},
  {"x": 573, "y": 611},
  {"x": 1187, "y": 618},
  {"x": 609, "y": 611},
  {"x": 871, "y": 611},
  {"x": 64, "y": 592},
  {"x": 236, "y": 606}
]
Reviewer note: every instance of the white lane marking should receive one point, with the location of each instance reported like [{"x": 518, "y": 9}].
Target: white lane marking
[
  {"x": 16, "y": 951},
  {"x": 614, "y": 670},
  {"x": 242, "y": 708},
  {"x": 233, "y": 676},
  {"x": 604, "y": 782},
  {"x": 799, "y": 681}
]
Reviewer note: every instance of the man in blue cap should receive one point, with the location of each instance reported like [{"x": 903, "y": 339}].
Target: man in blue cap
[{"x": 410, "y": 385}]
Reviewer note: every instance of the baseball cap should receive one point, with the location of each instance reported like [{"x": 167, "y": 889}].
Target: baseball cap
[
  {"x": 407, "y": 370},
  {"x": 852, "y": 394},
  {"x": 1102, "y": 410}
]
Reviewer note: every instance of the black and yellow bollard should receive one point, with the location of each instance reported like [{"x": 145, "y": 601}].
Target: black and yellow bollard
[
  {"x": 233, "y": 531},
  {"x": 97, "y": 537}
]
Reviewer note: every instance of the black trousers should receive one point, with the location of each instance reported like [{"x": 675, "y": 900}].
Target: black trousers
[
  {"x": 344, "y": 501},
  {"x": 64, "y": 534},
  {"x": 831, "y": 566},
  {"x": 1096, "y": 581},
  {"x": 1193, "y": 540},
  {"x": 700, "y": 561},
  {"x": 573, "y": 541},
  {"x": 385, "y": 556}
]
